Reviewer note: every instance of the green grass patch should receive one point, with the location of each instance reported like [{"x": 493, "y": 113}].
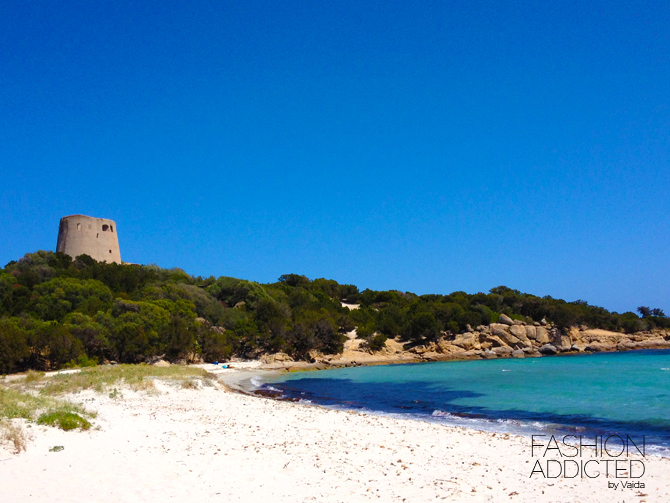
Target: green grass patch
[
  {"x": 64, "y": 420},
  {"x": 18, "y": 404},
  {"x": 82, "y": 361}
]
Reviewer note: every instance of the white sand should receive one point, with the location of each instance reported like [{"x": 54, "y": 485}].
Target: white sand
[{"x": 214, "y": 445}]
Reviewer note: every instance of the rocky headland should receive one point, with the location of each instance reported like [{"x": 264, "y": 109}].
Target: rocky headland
[{"x": 506, "y": 339}]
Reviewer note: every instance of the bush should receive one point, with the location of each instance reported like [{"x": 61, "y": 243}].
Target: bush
[
  {"x": 82, "y": 361},
  {"x": 33, "y": 376},
  {"x": 377, "y": 342},
  {"x": 365, "y": 331},
  {"x": 13, "y": 347},
  {"x": 215, "y": 346},
  {"x": 64, "y": 420},
  {"x": 422, "y": 327}
]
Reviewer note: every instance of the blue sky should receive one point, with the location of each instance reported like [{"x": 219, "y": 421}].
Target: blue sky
[{"x": 419, "y": 146}]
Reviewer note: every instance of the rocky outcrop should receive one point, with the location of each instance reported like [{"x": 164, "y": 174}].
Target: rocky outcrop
[
  {"x": 208, "y": 325},
  {"x": 467, "y": 340},
  {"x": 542, "y": 335},
  {"x": 497, "y": 340},
  {"x": 531, "y": 332},
  {"x": 548, "y": 349},
  {"x": 276, "y": 358},
  {"x": 505, "y": 320}
]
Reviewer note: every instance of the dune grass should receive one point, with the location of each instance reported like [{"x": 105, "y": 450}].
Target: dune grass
[
  {"x": 137, "y": 377},
  {"x": 17, "y": 404},
  {"x": 13, "y": 435},
  {"x": 32, "y": 376},
  {"x": 39, "y": 398}
]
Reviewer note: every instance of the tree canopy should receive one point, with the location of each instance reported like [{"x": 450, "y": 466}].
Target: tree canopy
[{"x": 55, "y": 309}]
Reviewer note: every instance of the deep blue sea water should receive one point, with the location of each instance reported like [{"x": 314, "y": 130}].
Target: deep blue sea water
[{"x": 603, "y": 393}]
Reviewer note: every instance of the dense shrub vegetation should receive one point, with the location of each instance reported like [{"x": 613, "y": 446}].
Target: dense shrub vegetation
[{"x": 55, "y": 310}]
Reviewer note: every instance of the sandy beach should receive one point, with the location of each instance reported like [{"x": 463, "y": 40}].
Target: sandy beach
[{"x": 212, "y": 444}]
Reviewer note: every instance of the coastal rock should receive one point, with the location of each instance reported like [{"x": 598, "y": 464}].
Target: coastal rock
[
  {"x": 518, "y": 331},
  {"x": 466, "y": 340},
  {"x": 542, "y": 335},
  {"x": 466, "y": 355},
  {"x": 161, "y": 363},
  {"x": 494, "y": 341},
  {"x": 517, "y": 322},
  {"x": 518, "y": 354},
  {"x": 565, "y": 343},
  {"x": 543, "y": 321},
  {"x": 499, "y": 329},
  {"x": 503, "y": 351},
  {"x": 548, "y": 349},
  {"x": 445, "y": 346},
  {"x": 505, "y": 319},
  {"x": 531, "y": 332},
  {"x": 432, "y": 355},
  {"x": 599, "y": 346},
  {"x": 393, "y": 346},
  {"x": 313, "y": 354},
  {"x": 489, "y": 354},
  {"x": 651, "y": 343},
  {"x": 510, "y": 340},
  {"x": 431, "y": 347}
]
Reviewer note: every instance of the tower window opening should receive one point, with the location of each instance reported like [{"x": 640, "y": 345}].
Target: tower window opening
[
  {"x": 78, "y": 227},
  {"x": 97, "y": 234},
  {"x": 111, "y": 228},
  {"x": 110, "y": 251},
  {"x": 105, "y": 228}
]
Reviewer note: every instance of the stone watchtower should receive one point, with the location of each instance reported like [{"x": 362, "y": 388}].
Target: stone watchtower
[{"x": 79, "y": 234}]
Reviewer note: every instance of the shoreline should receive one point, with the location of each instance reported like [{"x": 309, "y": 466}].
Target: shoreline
[
  {"x": 302, "y": 366},
  {"x": 524, "y": 427},
  {"x": 548, "y": 423}
]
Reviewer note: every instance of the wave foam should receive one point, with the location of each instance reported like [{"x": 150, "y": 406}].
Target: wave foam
[{"x": 256, "y": 381}]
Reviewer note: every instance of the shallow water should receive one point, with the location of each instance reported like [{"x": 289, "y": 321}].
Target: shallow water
[{"x": 603, "y": 393}]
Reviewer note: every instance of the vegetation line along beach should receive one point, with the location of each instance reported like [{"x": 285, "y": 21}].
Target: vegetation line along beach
[{"x": 56, "y": 311}]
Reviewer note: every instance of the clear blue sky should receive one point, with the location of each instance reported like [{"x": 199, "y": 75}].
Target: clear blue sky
[{"x": 419, "y": 146}]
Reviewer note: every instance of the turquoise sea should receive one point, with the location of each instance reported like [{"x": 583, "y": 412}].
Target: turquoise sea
[{"x": 602, "y": 393}]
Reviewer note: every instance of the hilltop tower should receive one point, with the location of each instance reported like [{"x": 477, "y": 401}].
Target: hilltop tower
[{"x": 79, "y": 234}]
